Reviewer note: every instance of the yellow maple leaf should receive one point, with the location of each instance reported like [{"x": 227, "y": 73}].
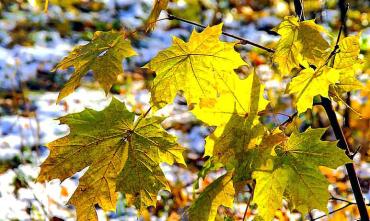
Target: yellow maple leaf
[
  {"x": 347, "y": 61},
  {"x": 219, "y": 192},
  {"x": 201, "y": 68},
  {"x": 245, "y": 97},
  {"x": 300, "y": 42},
  {"x": 310, "y": 83}
]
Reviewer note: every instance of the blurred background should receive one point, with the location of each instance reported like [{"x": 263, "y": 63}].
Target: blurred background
[{"x": 33, "y": 41}]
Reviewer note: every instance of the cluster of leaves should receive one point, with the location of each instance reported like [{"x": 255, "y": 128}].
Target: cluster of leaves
[{"x": 123, "y": 154}]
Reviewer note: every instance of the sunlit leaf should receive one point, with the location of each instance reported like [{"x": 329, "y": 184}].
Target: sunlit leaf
[
  {"x": 310, "y": 83},
  {"x": 347, "y": 61},
  {"x": 220, "y": 192},
  {"x": 245, "y": 97},
  {"x": 300, "y": 42},
  {"x": 201, "y": 68}
]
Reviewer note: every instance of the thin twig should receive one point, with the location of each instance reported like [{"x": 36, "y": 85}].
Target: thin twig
[
  {"x": 290, "y": 119},
  {"x": 248, "y": 202},
  {"x": 143, "y": 28},
  {"x": 242, "y": 40},
  {"x": 147, "y": 112},
  {"x": 334, "y": 211},
  {"x": 342, "y": 200},
  {"x": 23, "y": 180}
]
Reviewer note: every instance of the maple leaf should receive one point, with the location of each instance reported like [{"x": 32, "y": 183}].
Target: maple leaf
[
  {"x": 158, "y": 6},
  {"x": 268, "y": 193},
  {"x": 122, "y": 155},
  {"x": 231, "y": 109},
  {"x": 219, "y": 192},
  {"x": 346, "y": 61},
  {"x": 348, "y": 54},
  {"x": 103, "y": 55},
  {"x": 245, "y": 97},
  {"x": 236, "y": 141},
  {"x": 298, "y": 161},
  {"x": 201, "y": 68},
  {"x": 256, "y": 156},
  {"x": 243, "y": 145},
  {"x": 239, "y": 135},
  {"x": 300, "y": 42},
  {"x": 310, "y": 83}
]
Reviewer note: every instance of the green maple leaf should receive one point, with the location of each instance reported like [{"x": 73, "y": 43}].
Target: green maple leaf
[
  {"x": 297, "y": 162},
  {"x": 219, "y": 192},
  {"x": 243, "y": 145},
  {"x": 310, "y": 83},
  {"x": 103, "y": 55},
  {"x": 256, "y": 156},
  {"x": 122, "y": 155},
  {"x": 201, "y": 68},
  {"x": 300, "y": 42},
  {"x": 159, "y": 5},
  {"x": 238, "y": 136}
]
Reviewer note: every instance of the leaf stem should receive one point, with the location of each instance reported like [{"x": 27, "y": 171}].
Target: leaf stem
[
  {"x": 141, "y": 117},
  {"x": 242, "y": 40}
]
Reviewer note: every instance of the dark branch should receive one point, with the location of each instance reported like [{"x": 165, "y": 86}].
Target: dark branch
[
  {"x": 298, "y": 5},
  {"x": 326, "y": 103},
  {"x": 343, "y": 6}
]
